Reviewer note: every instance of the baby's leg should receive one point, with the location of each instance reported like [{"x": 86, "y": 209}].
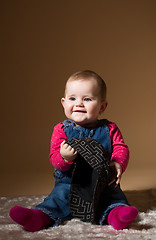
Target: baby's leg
[
  {"x": 31, "y": 219},
  {"x": 120, "y": 217},
  {"x": 56, "y": 204}
]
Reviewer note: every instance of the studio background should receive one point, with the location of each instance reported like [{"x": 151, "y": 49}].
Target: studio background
[{"x": 42, "y": 43}]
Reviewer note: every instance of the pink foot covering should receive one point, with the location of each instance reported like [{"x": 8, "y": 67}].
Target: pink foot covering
[
  {"x": 31, "y": 219},
  {"x": 120, "y": 217}
]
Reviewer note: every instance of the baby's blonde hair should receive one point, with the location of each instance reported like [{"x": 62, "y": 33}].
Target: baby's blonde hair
[{"x": 86, "y": 74}]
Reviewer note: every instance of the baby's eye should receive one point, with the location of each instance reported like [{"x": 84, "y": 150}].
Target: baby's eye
[
  {"x": 87, "y": 99},
  {"x": 72, "y": 98}
]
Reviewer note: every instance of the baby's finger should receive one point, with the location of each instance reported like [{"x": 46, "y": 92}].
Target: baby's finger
[
  {"x": 113, "y": 180},
  {"x": 69, "y": 148},
  {"x": 74, "y": 152},
  {"x": 119, "y": 172},
  {"x": 117, "y": 181},
  {"x": 64, "y": 145}
]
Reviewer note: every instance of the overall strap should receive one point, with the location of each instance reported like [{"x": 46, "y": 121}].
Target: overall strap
[{"x": 100, "y": 133}]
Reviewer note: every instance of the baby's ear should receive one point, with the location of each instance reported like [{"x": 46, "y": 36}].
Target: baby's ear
[
  {"x": 103, "y": 107},
  {"x": 62, "y": 101}
]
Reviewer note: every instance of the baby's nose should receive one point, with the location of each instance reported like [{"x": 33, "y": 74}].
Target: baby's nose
[{"x": 79, "y": 104}]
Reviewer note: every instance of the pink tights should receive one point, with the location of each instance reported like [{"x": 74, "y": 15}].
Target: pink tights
[
  {"x": 35, "y": 220},
  {"x": 120, "y": 217},
  {"x": 31, "y": 219}
]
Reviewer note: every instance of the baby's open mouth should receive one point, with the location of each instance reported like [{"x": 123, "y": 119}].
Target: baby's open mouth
[{"x": 80, "y": 111}]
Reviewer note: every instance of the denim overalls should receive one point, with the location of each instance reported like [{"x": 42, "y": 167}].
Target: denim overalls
[{"x": 56, "y": 205}]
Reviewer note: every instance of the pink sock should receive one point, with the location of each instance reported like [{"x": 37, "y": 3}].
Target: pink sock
[
  {"x": 31, "y": 219},
  {"x": 120, "y": 217}
]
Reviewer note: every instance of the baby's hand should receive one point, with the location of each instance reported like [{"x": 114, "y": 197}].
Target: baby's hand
[
  {"x": 117, "y": 170},
  {"x": 67, "y": 152}
]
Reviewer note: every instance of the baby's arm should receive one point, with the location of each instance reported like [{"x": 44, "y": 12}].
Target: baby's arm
[
  {"x": 120, "y": 152},
  {"x": 55, "y": 157},
  {"x": 117, "y": 170},
  {"x": 67, "y": 152}
]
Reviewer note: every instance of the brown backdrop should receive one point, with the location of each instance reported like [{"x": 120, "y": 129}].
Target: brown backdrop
[{"x": 43, "y": 42}]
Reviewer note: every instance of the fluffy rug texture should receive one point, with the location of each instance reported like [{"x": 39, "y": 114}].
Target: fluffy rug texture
[{"x": 144, "y": 226}]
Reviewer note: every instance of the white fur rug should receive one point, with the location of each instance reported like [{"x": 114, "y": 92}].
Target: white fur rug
[{"x": 144, "y": 226}]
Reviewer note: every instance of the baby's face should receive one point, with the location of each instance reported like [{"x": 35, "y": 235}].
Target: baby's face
[{"x": 82, "y": 102}]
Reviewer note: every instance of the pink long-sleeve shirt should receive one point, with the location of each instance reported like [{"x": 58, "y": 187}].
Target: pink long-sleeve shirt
[{"x": 120, "y": 151}]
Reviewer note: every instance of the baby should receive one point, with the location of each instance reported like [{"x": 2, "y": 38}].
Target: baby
[{"x": 84, "y": 101}]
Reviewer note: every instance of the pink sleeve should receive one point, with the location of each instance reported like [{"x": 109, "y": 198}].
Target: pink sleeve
[
  {"x": 120, "y": 151},
  {"x": 55, "y": 157}
]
